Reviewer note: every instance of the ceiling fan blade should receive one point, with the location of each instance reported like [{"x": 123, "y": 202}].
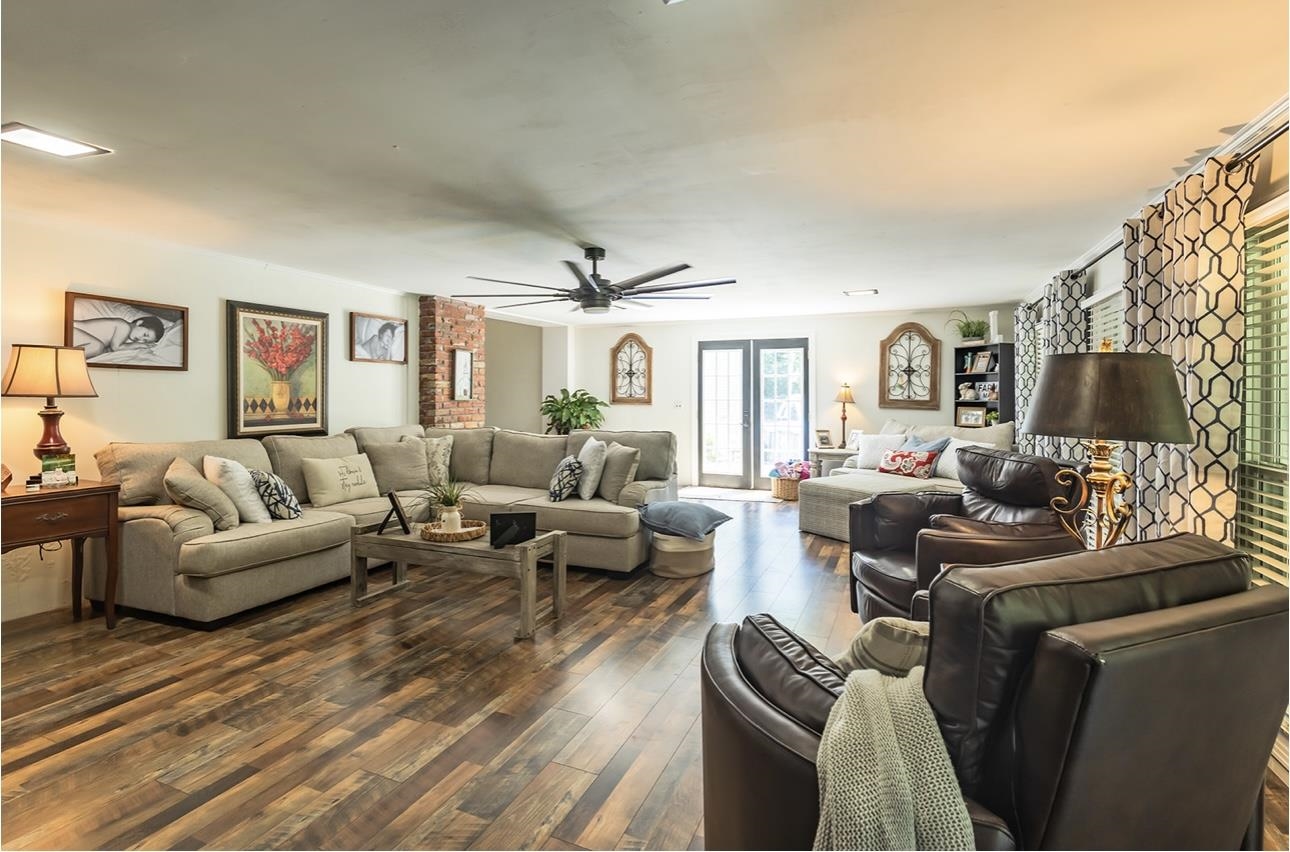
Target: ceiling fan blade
[
  {"x": 498, "y": 295},
  {"x": 581, "y": 276},
  {"x": 522, "y": 304},
  {"x": 633, "y": 303},
  {"x": 646, "y": 277},
  {"x": 685, "y": 285},
  {"x": 661, "y": 298},
  {"x": 517, "y": 283}
]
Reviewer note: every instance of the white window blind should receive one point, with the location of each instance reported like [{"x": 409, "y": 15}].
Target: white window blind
[{"x": 1106, "y": 322}]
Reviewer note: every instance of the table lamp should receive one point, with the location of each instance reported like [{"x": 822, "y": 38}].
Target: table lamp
[
  {"x": 844, "y": 396},
  {"x": 1105, "y": 398},
  {"x": 48, "y": 371}
]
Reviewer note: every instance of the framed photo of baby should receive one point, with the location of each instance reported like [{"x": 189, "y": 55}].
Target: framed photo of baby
[
  {"x": 378, "y": 339},
  {"x": 126, "y": 333}
]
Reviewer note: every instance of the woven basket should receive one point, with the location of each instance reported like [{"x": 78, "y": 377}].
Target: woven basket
[
  {"x": 469, "y": 530},
  {"x": 784, "y": 488}
]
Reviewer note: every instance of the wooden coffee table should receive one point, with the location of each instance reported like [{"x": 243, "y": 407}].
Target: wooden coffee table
[{"x": 476, "y": 557}]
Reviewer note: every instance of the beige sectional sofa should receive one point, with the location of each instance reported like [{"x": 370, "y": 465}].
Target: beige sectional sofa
[{"x": 174, "y": 562}]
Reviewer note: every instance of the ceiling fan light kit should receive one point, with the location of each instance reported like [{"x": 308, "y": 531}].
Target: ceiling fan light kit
[{"x": 596, "y": 294}]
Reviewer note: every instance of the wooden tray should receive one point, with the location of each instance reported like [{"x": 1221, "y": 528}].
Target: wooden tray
[{"x": 470, "y": 530}]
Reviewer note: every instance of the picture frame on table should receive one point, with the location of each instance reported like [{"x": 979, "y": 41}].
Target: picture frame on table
[
  {"x": 981, "y": 362},
  {"x": 463, "y": 372},
  {"x": 127, "y": 334},
  {"x": 823, "y": 439},
  {"x": 970, "y": 415},
  {"x": 396, "y": 512},
  {"x": 378, "y": 339},
  {"x": 277, "y": 371}
]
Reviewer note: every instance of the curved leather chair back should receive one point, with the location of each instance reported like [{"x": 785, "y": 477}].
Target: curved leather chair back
[{"x": 1000, "y": 485}]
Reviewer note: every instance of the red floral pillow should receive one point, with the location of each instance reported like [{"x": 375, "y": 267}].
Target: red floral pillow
[{"x": 908, "y": 463}]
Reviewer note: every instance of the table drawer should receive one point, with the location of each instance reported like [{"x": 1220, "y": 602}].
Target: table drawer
[{"x": 46, "y": 520}]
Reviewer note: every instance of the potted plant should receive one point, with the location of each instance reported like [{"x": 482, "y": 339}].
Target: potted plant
[
  {"x": 972, "y": 331},
  {"x": 448, "y": 496},
  {"x": 569, "y": 411}
]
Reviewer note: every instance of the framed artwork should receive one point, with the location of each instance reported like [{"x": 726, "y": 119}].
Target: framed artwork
[
  {"x": 823, "y": 439},
  {"x": 126, "y": 333},
  {"x": 378, "y": 339},
  {"x": 463, "y": 370},
  {"x": 969, "y": 415},
  {"x": 981, "y": 362},
  {"x": 909, "y": 372},
  {"x": 277, "y": 371},
  {"x": 631, "y": 371}
]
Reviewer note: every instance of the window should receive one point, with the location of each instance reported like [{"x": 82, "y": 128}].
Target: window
[{"x": 1106, "y": 322}]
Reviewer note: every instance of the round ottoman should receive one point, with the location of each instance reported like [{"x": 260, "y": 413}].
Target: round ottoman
[{"x": 677, "y": 557}]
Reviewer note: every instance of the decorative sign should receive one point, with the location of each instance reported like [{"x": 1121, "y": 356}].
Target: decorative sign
[
  {"x": 910, "y": 369},
  {"x": 631, "y": 371}
]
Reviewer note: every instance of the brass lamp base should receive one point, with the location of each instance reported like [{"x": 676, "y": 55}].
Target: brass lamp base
[{"x": 1104, "y": 487}]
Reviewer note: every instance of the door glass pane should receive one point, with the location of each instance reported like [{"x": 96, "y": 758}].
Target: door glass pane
[
  {"x": 723, "y": 412},
  {"x": 783, "y": 425}
]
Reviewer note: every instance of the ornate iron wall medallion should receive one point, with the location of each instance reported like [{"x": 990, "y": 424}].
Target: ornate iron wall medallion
[{"x": 910, "y": 369}]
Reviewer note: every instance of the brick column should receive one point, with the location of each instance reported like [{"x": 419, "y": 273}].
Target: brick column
[{"x": 447, "y": 324}]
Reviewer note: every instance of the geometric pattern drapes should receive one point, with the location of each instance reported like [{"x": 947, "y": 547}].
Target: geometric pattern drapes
[
  {"x": 1184, "y": 262},
  {"x": 1057, "y": 324},
  {"x": 1026, "y": 319}
]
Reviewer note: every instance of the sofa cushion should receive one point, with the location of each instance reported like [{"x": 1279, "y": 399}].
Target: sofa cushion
[
  {"x": 282, "y": 503},
  {"x": 365, "y": 435},
  {"x": 186, "y": 486},
  {"x": 438, "y": 453},
  {"x": 525, "y": 460},
  {"x": 497, "y": 497},
  {"x": 1001, "y": 435},
  {"x": 339, "y": 480},
  {"x": 287, "y": 451},
  {"x": 140, "y": 469},
  {"x": 400, "y": 466},
  {"x": 234, "y": 480},
  {"x": 789, "y": 672},
  {"x": 621, "y": 464},
  {"x": 253, "y": 545},
  {"x": 592, "y": 456},
  {"x": 658, "y": 449},
  {"x": 472, "y": 453},
  {"x": 372, "y": 510},
  {"x": 583, "y": 517}
]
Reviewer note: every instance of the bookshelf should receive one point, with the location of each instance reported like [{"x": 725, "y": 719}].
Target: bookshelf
[{"x": 1001, "y": 374}]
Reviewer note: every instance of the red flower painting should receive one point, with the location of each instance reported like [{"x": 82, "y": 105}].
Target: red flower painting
[{"x": 280, "y": 347}]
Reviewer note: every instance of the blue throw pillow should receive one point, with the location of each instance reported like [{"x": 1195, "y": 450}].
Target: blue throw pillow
[
  {"x": 920, "y": 446},
  {"x": 565, "y": 479},
  {"x": 688, "y": 520}
]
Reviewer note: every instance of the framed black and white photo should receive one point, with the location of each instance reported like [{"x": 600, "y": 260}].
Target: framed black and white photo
[
  {"x": 969, "y": 415},
  {"x": 378, "y": 339},
  {"x": 126, "y": 333},
  {"x": 463, "y": 364},
  {"x": 823, "y": 439}
]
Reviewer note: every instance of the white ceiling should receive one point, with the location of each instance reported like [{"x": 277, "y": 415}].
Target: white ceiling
[{"x": 947, "y": 153}]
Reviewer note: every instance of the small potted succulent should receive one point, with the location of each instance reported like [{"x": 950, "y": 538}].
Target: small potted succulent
[
  {"x": 972, "y": 331},
  {"x": 449, "y": 496}
]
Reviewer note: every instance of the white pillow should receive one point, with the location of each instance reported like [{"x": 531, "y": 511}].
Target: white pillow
[
  {"x": 853, "y": 439},
  {"x": 235, "y": 481},
  {"x": 947, "y": 464},
  {"x": 872, "y": 447},
  {"x": 592, "y": 456},
  {"x": 892, "y": 427},
  {"x": 332, "y": 481}
]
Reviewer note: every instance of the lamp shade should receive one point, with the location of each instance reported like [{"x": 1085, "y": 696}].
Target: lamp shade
[
  {"x": 1109, "y": 396},
  {"x": 844, "y": 395},
  {"x": 48, "y": 371}
]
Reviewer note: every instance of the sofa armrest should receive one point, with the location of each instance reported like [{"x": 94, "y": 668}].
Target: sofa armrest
[
  {"x": 891, "y": 521},
  {"x": 183, "y": 523},
  {"x": 938, "y": 548},
  {"x": 646, "y": 491}
]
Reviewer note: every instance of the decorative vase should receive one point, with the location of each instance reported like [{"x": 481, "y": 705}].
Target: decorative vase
[
  {"x": 450, "y": 518},
  {"x": 280, "y": 396}
]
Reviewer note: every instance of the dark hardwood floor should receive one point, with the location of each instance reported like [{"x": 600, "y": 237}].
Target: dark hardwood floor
[{"x": 414, "y": 722}]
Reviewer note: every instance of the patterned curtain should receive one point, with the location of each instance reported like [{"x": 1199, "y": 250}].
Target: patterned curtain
[
  {"x": 1064, "y": 329},
  {"x": 1026, "y": 320},
  {"x": 1184, "y": 271}
]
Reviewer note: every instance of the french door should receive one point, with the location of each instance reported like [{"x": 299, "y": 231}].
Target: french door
[{"x": 753, "y": 409}]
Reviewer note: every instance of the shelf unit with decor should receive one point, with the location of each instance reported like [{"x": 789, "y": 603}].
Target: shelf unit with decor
[{"x": 1002, "y": 370}]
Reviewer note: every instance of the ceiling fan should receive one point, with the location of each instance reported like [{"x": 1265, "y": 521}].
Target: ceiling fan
[{"x": 596, "y": 294}]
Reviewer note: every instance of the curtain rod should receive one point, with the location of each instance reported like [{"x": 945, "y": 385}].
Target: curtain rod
[{"x": 1241, "y": 157}]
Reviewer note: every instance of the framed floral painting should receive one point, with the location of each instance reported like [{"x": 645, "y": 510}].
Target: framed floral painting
[{"x": 277, "y": 371}]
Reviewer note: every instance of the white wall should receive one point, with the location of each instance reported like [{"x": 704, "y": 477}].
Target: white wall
[
  {"x": 514, "y": 375},
  {"x": 843, "y": 348},
  {"x": 44, "y": 259}
]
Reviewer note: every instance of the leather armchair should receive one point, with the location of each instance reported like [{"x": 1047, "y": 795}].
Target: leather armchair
[
  {"x": 900, "y": 541},
  {"x": 1126, "y": 698}
]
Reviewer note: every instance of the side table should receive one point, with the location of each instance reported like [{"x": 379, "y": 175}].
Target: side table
[
  {"x": 76, "y": 512},
  {"x": 824, "y": 460}
]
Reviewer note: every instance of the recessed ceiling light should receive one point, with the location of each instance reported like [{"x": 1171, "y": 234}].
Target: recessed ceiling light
[
  {"x": 869, "y": 292},
  {"x": 59, "y": 146}
]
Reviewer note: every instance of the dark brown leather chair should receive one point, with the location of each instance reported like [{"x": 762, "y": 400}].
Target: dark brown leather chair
[
  {"x": 900, "y": 541},
  {"x": 1118, "y": 699}
]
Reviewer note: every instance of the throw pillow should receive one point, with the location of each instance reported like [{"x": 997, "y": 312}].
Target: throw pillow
[
  {"x": 332, "y": 481},
  {"x": 399, "y": 466},
  {"x": 935, "y": 445},
  {"x": 276, "y": 495},
  {"x": 853, "y": 439},
  {"x": 869, "y": 453},
  {"x": 592, "y": 456},
  {"x": 893, "y": 427},
  {"x": 438, "y": 457},
  {"x": 674, "y": 517},
  {"x": 889, "y": 645},
  {"x": 947, "y": 464},
  {"x": 908, "y": 463},
  {"x": 565, "y": 479},
  {"x": 235, "y": 481},
  {"x": 186, "y": 486},
  {"x": 620, "y": 468}
]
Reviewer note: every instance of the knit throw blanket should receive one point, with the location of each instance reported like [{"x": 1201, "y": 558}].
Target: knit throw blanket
[{"x": 886, "y": 781}]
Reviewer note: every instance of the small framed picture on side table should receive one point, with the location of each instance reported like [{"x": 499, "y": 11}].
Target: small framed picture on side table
[{"x": 823, "y": 439}]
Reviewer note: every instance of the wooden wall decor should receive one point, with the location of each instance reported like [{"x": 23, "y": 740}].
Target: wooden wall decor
[
  {"x": 909, "y": 368},
  {"x": 631, "y": 371}
]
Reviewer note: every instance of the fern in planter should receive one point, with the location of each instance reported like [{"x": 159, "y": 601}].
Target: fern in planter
[
  {"x": 569, "y": 411},
  {"x": 968, "y": 329}
]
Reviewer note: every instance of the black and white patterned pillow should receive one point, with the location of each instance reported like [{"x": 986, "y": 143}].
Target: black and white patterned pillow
[
  {"x": 565, "y": 479},
  {"x": 276, "y": 496}
]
